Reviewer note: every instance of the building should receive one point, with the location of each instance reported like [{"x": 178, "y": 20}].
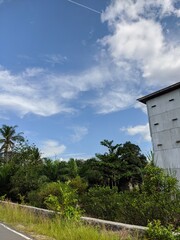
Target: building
[{"x": 164, "y": 120}]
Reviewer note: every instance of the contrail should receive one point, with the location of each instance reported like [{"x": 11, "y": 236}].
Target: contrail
[{"x": 81, "y": 5}]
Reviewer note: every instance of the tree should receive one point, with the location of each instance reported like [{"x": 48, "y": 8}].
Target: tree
[
  {"x": 90, "y": 172},
  {"x": 8, "y": 139},
  {"x": 27, "y": 176},
  {"x": 73, "y": 169},
  {"x": 108, "y": 163},
  {"x": 121, "y": 164},
  {"x": 133, "y": 163}
]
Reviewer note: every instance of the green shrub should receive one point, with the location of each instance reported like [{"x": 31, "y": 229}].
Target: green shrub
[
  {"x": 156, "y": 231},
  {"x": 79, "y": 184},
  {"x": 59, "y": 197},
  {"x": 61, "y": 190},
  {"x": 158, "y": 198},
  {"x": 66, "y": 209},
  {"x": 101, "y": 202}
]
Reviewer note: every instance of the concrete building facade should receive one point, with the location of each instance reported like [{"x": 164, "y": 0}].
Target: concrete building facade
[{"x": 164, "y": 120}]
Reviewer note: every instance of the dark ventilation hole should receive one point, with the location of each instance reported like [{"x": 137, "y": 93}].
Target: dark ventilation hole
[{"x": 174, "y": 119}]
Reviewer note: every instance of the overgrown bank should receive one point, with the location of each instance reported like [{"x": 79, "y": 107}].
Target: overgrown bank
[{"x": 55, "y": 228}]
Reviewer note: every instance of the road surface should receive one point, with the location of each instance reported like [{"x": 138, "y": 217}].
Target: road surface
[{"x": 7, "y": 233}]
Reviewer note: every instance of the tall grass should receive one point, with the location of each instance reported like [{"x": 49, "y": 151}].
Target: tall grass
[{"x": 54, "y": 228}]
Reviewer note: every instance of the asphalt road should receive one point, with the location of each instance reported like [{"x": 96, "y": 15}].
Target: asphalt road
[{"x": 7, "y": 233}]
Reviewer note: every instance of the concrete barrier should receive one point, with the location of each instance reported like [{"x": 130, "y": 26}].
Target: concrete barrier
[{"x": 115, "y": 226}]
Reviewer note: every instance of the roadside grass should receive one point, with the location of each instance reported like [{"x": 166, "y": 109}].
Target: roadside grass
[{"x": 54, "y": 228}]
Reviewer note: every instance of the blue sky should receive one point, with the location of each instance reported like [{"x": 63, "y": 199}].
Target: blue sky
[{"x": 71, "y": 71}]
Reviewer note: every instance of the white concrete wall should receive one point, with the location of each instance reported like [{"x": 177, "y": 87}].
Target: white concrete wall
[{"x": 164, "y": 119}]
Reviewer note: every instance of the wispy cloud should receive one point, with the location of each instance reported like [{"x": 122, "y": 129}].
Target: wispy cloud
[
  {"x": 46, "y": 93},
  {"x": 54, "y": 59},
  {"x": 141, "y": 130},
  {"x": 52, "y": 148},
  {"x": 78, "y": 133},
  {"x": 22, "y": 94}
]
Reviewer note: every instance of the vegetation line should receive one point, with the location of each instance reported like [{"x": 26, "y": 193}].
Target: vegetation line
[{"x": 54, "y": 228}]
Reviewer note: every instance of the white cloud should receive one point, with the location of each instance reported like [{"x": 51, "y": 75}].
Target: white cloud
[
  {"x": 138, "y": 39},
  {"x": 164, "y": 69},
  {"x": 142, "y": 130},
  {"x": 141, "y": 106},
  {"x": 83, "y": 156},
  {"x": 23, "y": 96},
  {"x": 135, "y": 40},
  {"x": 121, "y": 9},
  {"x": 114, "y": 101},
  {"x": 158, "y": 60},
  {"x": 78, "y": 133},
  {"x": 24, "y": 105},
  {"x": 52, "y": 148},
  {"x": 44, "y": 93}
]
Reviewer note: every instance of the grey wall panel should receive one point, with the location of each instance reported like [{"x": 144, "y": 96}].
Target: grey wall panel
[
  {"x": 156, "y": 122},
  {"x": 168, "y": 158},
  {"x": 175, "y": 138},
  {"x": 165, "y": 120},
  {"x": 162, "y": 140},
  {"x": 155, "y": 107},
  {"x": 158, "y": 159},
  {"x": 163, "y": 103},
  {"x": 177, "y": 173}
]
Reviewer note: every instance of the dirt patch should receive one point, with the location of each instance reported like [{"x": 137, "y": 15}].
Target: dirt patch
[{"x": 41, "y": 237}]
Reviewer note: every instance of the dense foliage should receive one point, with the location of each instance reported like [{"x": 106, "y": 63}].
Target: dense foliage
[
  {"x": 118, "y": 185},
  {"x": 156, "y": 198}
]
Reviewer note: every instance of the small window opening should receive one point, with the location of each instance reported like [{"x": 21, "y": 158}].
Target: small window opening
[
  {"x": 171, "y": 100},
  {"x": 178, "y": 141},
  {"x": 174, "y": 119},
  {"x": 159, "y": 145},
  {"x": 155, "y": 124},
  {"x": 153, "y": 106}
]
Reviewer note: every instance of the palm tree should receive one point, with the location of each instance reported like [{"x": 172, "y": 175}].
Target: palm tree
[{"x": 8, "y": 139}]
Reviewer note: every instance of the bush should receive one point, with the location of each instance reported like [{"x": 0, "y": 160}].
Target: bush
[
  {"x": 158, "y": 232},
  {"x": 158, "y": 198},
  {"x": 79, "y": 184},
  {"x": 58, "y": 197},
  {"x": 66, "y": 209},
  {"x": 61, "y": 190},
  {"x": 101, "y": 202}
]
